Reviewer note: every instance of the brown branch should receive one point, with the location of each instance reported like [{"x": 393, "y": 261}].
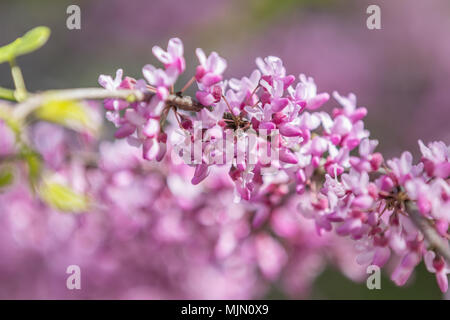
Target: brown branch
[
  {"x": 429, "y": 232},
  {"x": 186, "y": 103},
  {"x": 23, "y": 109},
  {"x": 34, "y": 101}
]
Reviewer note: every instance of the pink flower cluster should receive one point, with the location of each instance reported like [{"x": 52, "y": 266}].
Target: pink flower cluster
[
  {"x": 327, "y": 161},
  {"x": 373, "y": 211},
  {"x": 150, "y": 234},
  {"x": 7, "y": 143},
  {"x": 139, "y": 122},
  {"x": 223, "y": 225}
]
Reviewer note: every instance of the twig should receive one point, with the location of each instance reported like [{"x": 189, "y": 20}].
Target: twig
[
  {"x": 434, "y": 239},
  {"x": 7, "y": 94},
  {"x": 21, "y": 91},
  {"x": 188, "y": 84},
  {"x": 36, "y": 100}
]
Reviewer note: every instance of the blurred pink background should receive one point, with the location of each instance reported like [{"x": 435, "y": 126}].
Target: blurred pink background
[{"x": 400, "y": 73}]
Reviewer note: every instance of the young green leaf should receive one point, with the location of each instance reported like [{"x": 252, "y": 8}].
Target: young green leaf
[
  {"x": 6, "y": 177},
  {"x": 7, "y": 94},
  {"x": 31, "y": 41},
  {"x": 63, "y": 198},
  {"x": 34, "y": 164},
  {"x": 8, "y": 52},
  {"x": 69, "y": 113}
]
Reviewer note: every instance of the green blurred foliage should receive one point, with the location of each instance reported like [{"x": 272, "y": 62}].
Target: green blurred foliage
[
  {"x": 63, "y": 198},
  {"x": 34, "y": 165},
  {"x": 71, "y": 114},
  {"x": 6, "y": 176},
  {"x": 31, "y": 41},
  {"x": 266, "y": 10},
  {"x": 75, "y": 58},
  {"x": 333, "y": 285}
]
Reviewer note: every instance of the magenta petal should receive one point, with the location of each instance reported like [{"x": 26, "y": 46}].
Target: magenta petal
[
  {"x": 201, "y": 172},
  {"x": 150, "y": 149},
  {"x": 125, "y": 130},
  {"x": 441, "y": 278},
  {"x": 442, "y": 227},
  {"x": 162, "y": 151},
  {"x": 381, "y": 256},
  {"x": 268, "y": 125},
  {"x": 7, "y": 139},
  {"x": 358, "y": 114},
  {"x": 362, "y": 202},
  {"x": 210, "y": 79},
  {"x": 279, "y": 104},
  {"x": 442, "y": 170},
  {"x": 317, "y": 101},
  {"x": 403, "y": 271},
  {"x": 287, "y": 156},
  {"x": 205, "y": 98},
  {"x": 289, "y": 130},
  {"x": 151, "y": 129},
  {"x": 288, "y": 80}
]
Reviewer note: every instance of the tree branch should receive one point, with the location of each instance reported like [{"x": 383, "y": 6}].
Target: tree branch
[
  {"x": 434, "y": 239},
  {"x": 36, "y": 100},
  {"x": 22, "y": 110}
]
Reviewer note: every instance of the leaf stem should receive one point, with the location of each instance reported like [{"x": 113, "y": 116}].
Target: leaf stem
[
  {"x": 187, "y": 85},
  {"x": 23, "y": 109},
  {"x": 433, "y": 238},
  {"x": 21, "y": 91},
  {"x": 7, "y": 94}
]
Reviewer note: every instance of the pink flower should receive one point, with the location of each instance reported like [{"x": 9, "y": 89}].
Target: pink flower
[
  {"x": 336, "y": 188},
  {"x": 270, "y": 254},
  {"x": 150, "y": 149},
  {"x": 125, "y": 130},
  {"x": 247, "y": 86},
  {"x": 162, "y": 144},
  {"x": 50, "y": 141},
  {"x": 201, "y": 172},
  {"x": 436, "y": 159},
  {"x": 210, "y": 70},
  {"x": 173, "y": 57},
  {"x": 437, "y": 265},
  {"x": 7, "y": 140},
  {"x": 375, "y": 252},
  {"x": 405, "y": 268},
  {"x": 275, "y": 94},
  {"x": 367, "y": 160},
  {"x": 161, "y": 79},
  {"x": 289, "y": 130},
  {"x": 288, "y": 156},
  {"x": 349, "y": 107},
  {"x": 306, "y": 92},
  {"x": 271, "y": 66},
  {"x": 419, "y": 191},
  {"x": 403, "y": 169},
  {"x": 109, "y": 83},
  {"x": 209, "y": 96}
]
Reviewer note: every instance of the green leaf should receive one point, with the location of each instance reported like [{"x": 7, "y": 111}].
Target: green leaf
[
  {"x": 7, "y": 53},
  {"x": 34, "y": 164},
  {"x": 6, "y": 177},
  {"x": 7, "y": 94},
  {"x": 63, "y": 198},
  {"x": 69, "y": 113},
  {"x": 31, "y": 41},
  {"x": 6, "y": 115}
]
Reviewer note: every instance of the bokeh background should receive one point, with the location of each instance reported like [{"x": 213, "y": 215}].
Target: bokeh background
[{"x": 400, "y": 73}]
